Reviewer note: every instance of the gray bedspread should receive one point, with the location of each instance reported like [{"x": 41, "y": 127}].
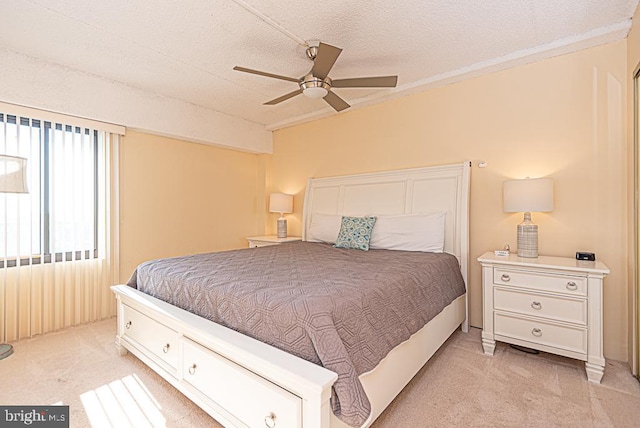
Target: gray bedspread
[{"x": 342, "y": 309}]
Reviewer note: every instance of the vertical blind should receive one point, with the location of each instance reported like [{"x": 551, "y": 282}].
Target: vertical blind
[{"x": 58, "y": 252}]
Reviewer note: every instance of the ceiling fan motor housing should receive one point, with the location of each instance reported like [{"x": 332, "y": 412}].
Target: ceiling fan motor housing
[{"x": 314, "y": 87}]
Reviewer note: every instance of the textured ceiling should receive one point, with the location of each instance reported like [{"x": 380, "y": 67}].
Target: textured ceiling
[{"x": 186, "y": 50}]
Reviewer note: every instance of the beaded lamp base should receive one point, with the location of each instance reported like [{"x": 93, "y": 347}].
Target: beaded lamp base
[
  {"x": 282, "y": 227},
  {"x": 527, "y": 238}
]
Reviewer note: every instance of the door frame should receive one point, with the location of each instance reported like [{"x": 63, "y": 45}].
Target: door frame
[{"x": 635, "y": 327}]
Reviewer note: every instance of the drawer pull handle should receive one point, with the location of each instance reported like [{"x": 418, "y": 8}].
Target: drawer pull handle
[
  {"x": 270, "y": 420},
  {"x": 505, "y": 277},
  {"x": 536, "y": 332},
  {"x": 128, "y": 325},
  {"x": 165, "y": 348},
  {"x": 572, "y": 286},
  {"x": 192, "y": 369},
  {"x": 536, "y": 305}
]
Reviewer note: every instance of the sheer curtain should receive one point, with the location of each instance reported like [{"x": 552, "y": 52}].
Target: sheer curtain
[{"x": 58, "y": 243}]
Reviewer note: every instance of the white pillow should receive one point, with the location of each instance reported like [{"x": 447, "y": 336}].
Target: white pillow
[
  {"x": 324, "y": 228},
  {"x": 416, "y": 232}
]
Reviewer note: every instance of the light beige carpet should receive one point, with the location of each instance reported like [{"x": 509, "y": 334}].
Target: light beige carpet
[{"x": 460, "y": 386}]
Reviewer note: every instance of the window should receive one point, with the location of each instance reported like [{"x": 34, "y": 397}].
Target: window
[
  {"x": 59, "y": 216},
  {"x": 58, "y": 242}
]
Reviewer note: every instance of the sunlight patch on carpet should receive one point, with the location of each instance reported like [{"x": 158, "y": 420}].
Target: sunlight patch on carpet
[{"x": 126, "y": 402}]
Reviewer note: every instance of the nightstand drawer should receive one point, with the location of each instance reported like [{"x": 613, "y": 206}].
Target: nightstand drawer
[
  {"x": 257, "y": 244},
  {"x": 572, "y": 339},
  {"x": 268, "y": 240},
  {"x": 567, "y": 309},
  {"x": 565, "y": 284}
]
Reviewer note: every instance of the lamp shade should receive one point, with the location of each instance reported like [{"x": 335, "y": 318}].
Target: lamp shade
[
  {"x": 13, "y": 174},
  {"x": 528, "y": 195},
  {"x": 280, "y": 203}
]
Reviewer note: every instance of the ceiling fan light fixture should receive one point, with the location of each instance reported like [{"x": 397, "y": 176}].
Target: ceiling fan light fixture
[
  {"x": 315, "y": 92},
  {"x": 314, "y": 87}
]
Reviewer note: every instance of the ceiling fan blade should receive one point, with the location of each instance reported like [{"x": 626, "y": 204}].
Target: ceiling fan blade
[
  {"x": 336, "y": 102},
  {"x": 283, "y": 98},
  {"x": 262, "y": 73},
  {"x": 325, "y": 58},
  {"x": 366, "y": 82}
]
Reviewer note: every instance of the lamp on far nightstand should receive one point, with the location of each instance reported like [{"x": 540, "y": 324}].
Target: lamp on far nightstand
[
  {"x": 283, "y": 204},
  {"x": 527, "y": 195}
]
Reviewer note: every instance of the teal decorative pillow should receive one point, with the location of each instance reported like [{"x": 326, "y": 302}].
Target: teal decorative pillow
[{"x": 355, "y": 232}]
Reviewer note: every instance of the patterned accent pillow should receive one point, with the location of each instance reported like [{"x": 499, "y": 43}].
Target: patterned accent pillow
[{"x": 355, "y": 232}]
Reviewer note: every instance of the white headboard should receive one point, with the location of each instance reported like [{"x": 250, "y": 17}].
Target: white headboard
[{"x": 406, "y": 191}]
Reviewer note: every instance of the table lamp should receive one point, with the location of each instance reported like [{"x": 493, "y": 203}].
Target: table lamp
[
  {"x": 527, "y": 195},
  {"x": 283, "y": 204}
]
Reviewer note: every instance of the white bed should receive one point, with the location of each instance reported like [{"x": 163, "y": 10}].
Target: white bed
[{"x": 230, "y": 375}]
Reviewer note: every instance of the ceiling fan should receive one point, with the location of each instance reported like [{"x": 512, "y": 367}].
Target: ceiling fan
[{"x": 317, "y": 84}]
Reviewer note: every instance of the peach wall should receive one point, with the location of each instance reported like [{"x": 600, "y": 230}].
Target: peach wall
[
  {"x": 563, "y": 118},
  {"x": 183, "y": 198}
]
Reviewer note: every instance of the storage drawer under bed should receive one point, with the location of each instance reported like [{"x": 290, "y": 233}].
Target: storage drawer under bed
[
  {"x": 251, "y": 399},
  {"x": 156, "y": 338}
]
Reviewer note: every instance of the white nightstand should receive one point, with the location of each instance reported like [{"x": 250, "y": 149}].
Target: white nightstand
[
  {"x": 553, "y": 304},
  {"x": 265, "y": 241}
]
